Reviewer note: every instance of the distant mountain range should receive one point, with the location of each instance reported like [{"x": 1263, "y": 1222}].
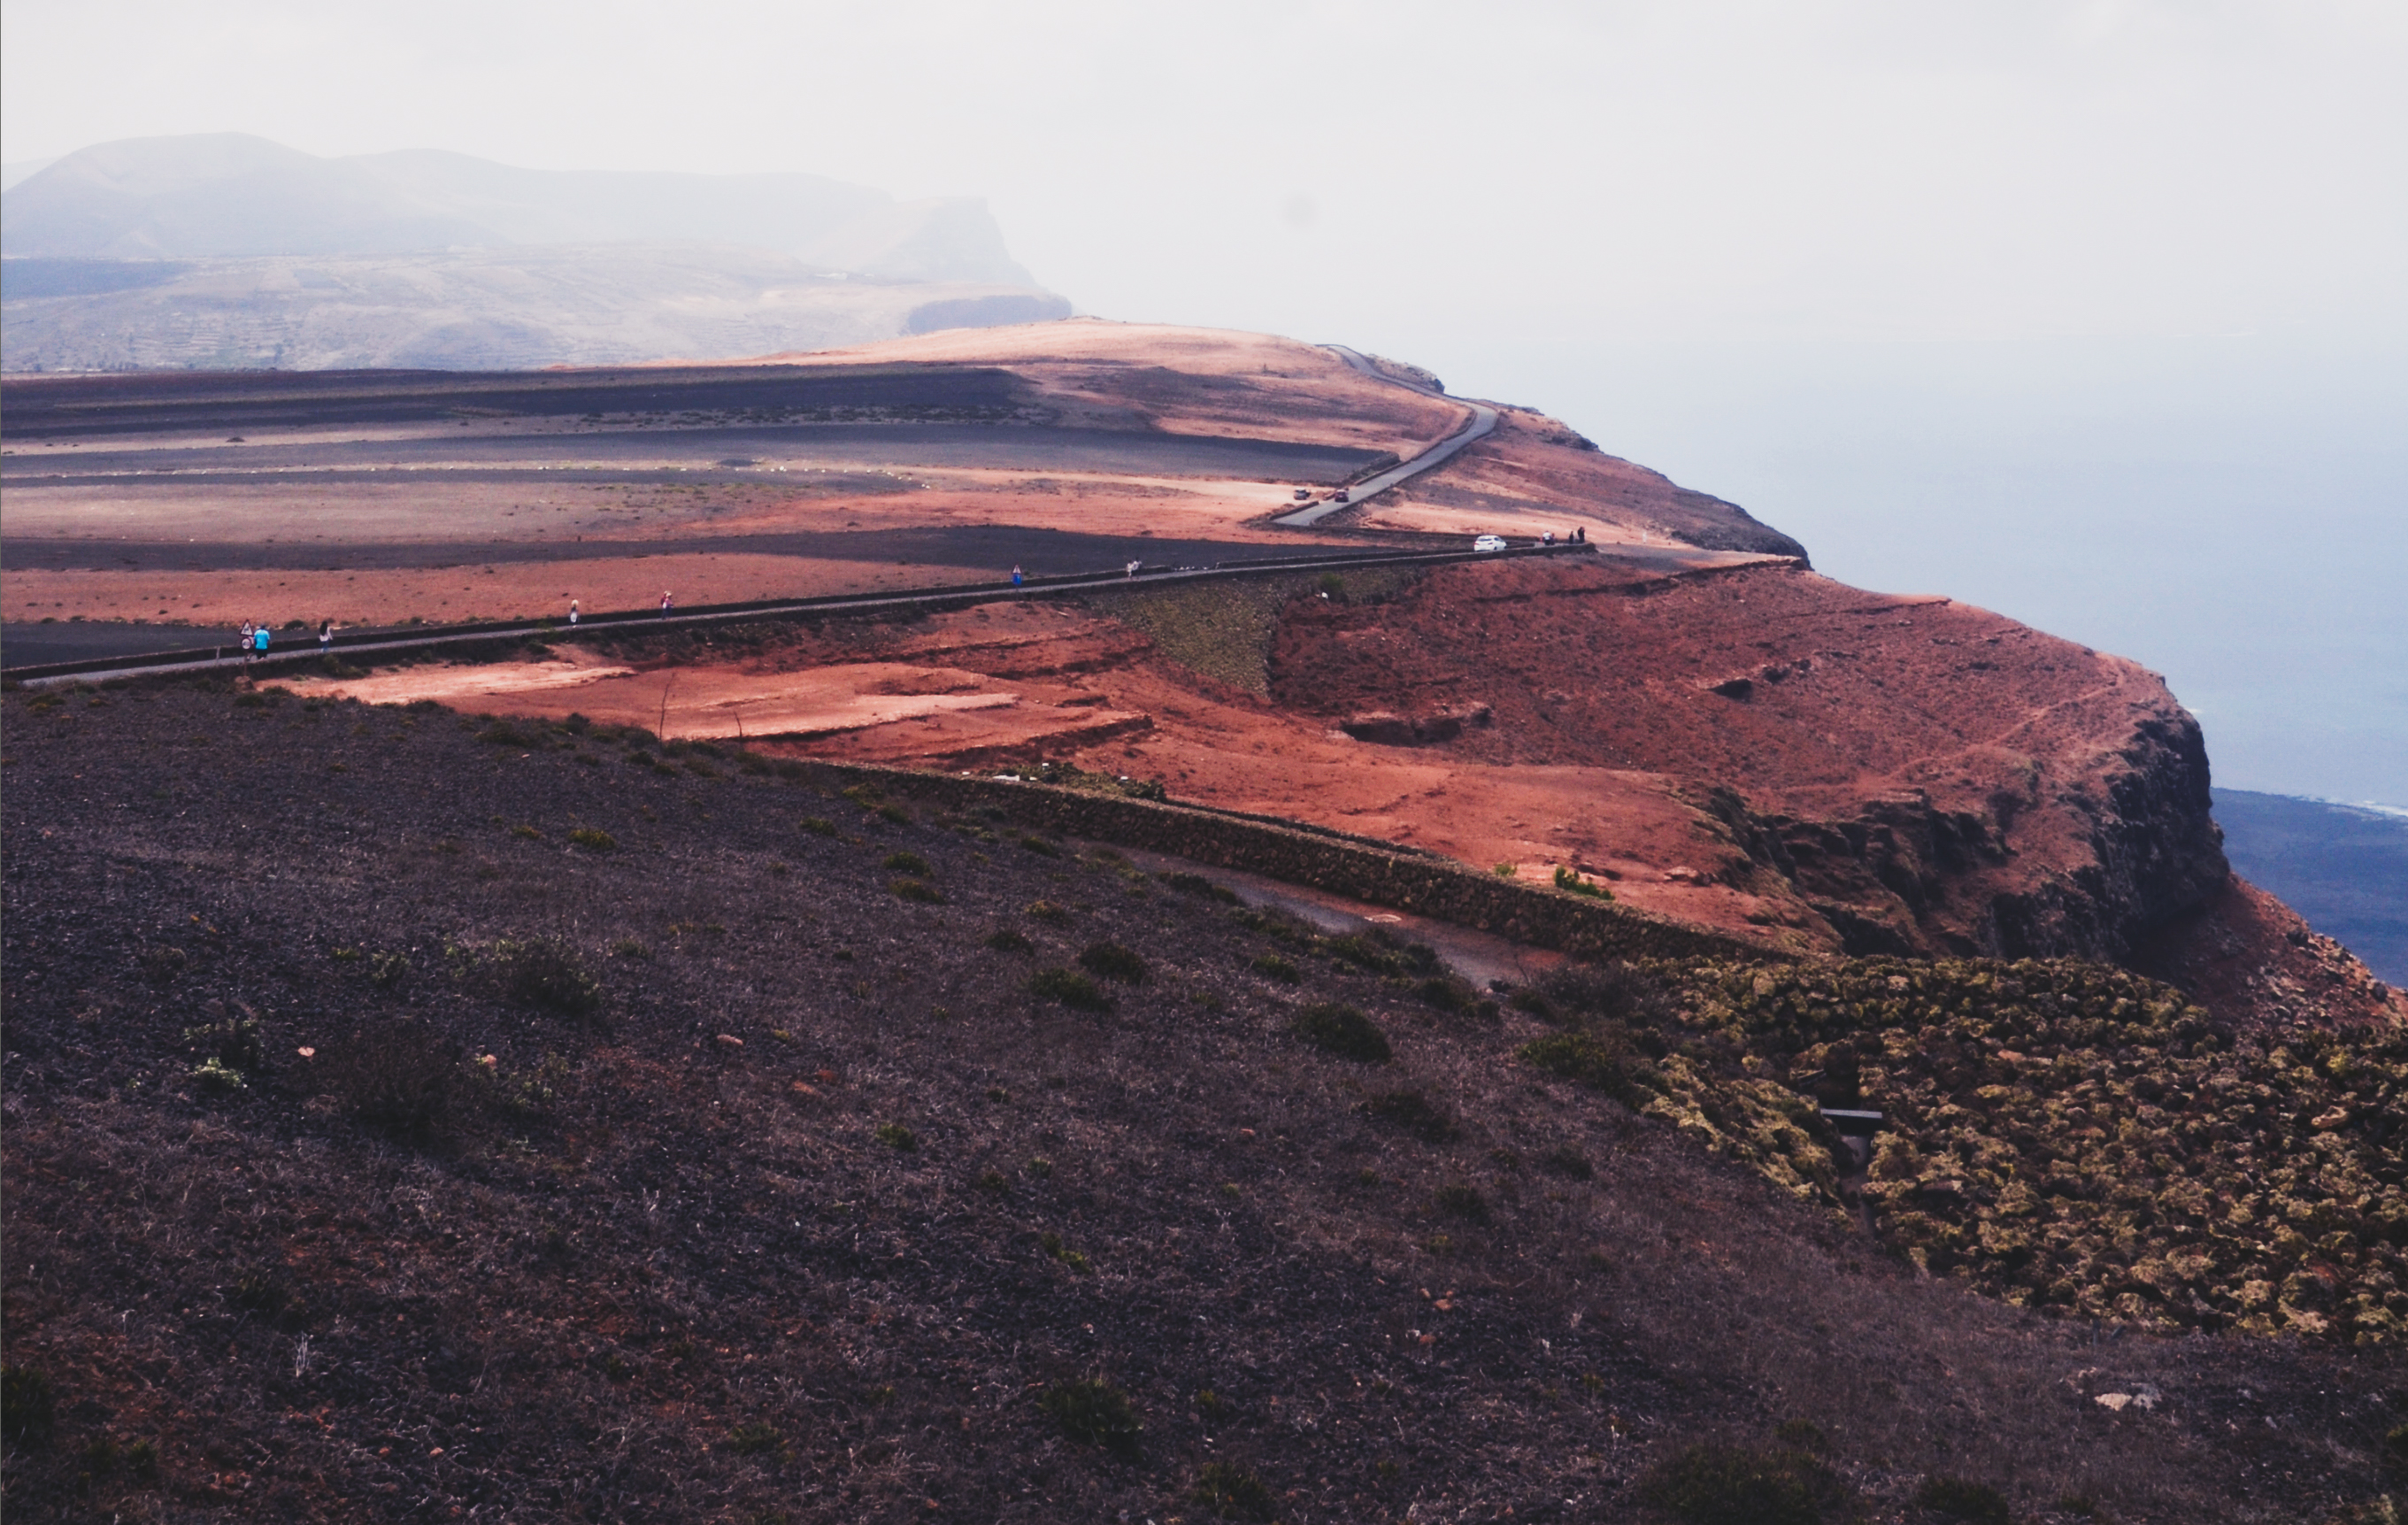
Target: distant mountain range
[
  {"x": 2343, "y": 867},
  {"x": 226, "y": 250}
]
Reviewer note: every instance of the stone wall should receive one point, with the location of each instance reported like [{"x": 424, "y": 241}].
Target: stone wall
[{"x": 1425, "y": 885}]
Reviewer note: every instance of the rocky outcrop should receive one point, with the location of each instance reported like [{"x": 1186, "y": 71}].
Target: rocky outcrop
[{"x": 1886, "y": 775}]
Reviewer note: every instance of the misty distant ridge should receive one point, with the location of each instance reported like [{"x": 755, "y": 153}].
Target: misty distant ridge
[
  {"x": 225, "y": 250},
  {"x": 221, "y": 195}
]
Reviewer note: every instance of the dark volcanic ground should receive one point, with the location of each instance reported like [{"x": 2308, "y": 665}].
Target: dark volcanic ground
[{"x": 806, "y": 1203}]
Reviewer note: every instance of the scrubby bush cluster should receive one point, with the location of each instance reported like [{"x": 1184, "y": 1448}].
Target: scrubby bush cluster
[{"x": 2060, "y": 1135}]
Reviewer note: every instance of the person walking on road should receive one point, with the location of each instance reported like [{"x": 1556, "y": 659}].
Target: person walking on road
[
  {"x": 1015, "y": 574},
  {"x": 664, "y": 603},
  {"x": 572, "y": 614},
  {"x": 326, "y": 637},
  {"x": 259, "y": 637}
]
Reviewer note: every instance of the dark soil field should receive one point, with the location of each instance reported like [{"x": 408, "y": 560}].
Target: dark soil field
[
  {"x": 418, "y": 1117},
  {"x": 212, "y": 402}
]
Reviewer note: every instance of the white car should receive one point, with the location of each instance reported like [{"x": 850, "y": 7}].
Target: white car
[{"x": 1489, "y": 542}]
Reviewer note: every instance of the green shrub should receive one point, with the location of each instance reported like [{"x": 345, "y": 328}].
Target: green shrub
[
  {"x": 1052, "y": 1245},
  {"x": 1731, "y": 1485},
  {"x": 1039, "y": 846},
  {"x": 920, "y": 890},
  {"x": 28, "y": 1407},
  {"x": 1378, "y": 952},
  {"x": 1507, "y": 871},
  {"x": 1093, "y": 1412},
  {"x": 1072, "y": 990},
  {"x": 1271, "y": 966},
  {"x": 897, "y": 1137},
  {"x": 386, "y": 971},
  {"x": 1953, "y": 1498},
  {"x": 594, "y": 840},
  {"x": 895, "y": 814},
  {"x": 1232, "y": 1492},
  {"x": 258, "y": 1292},
  {"x": 234, "y": 1044},
  {"x": 215, "y": 1077},
  {"x": 1343, "y": 1031},
  {"x": 1568, "y": 879},
  {"x": 864, "y": 796},
  {"x": 527, "y": 834},
  {"x": 1449, "y": 993},
  {"x": 911, "y": 863},
  {"x": 1004, "y": 940},
  {"x": 1047, "y": 911},
  {"x": 1200, "y": 886},
  {"x": 1114, "y": 962},
  {"x": 1413, "y": 1111},
  {"x": 1603, "y": 1062},
  {"x": 628, "y": 947},
  {"x": 545, "y": 975},
  {"x": 819, "y": 826},
  {"x": 754, "y": 1438}
]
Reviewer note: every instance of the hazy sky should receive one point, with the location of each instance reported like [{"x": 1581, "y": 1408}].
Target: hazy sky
[{"x": 2093, "y": 312}]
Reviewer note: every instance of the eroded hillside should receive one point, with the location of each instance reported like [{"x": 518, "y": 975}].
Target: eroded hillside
[{"x": 545, "y": 1120}]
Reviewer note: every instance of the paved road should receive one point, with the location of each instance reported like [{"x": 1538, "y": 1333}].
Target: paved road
[
  {"x": 303, "y": 648},
  {"x": 1483, "y": 422}
]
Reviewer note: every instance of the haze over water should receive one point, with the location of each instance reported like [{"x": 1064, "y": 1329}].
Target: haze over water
[{"x": 2087, "y": 312}]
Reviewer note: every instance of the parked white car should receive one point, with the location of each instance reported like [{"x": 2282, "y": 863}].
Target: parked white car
[{"x": 1489, "y": 542}]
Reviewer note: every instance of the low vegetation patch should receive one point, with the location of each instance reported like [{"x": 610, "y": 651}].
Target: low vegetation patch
[
  {"x": 1230, "y": 1491},
  {"x": 1111, "y": 961},
  {"x": 1965, "y": 1503},
  {"x": 1093, "y": 1412},
  {"x": 1343, "y": 1031},
  {"x": 1069, "y": 987},
  {"x": 1734, "y": 1485},
  {"x": 543, "y": 974},
  {"x": 1413, "y": 1111},
  {"x": 1200, "y": 887},
  {"x": 1271, "y": 966}
]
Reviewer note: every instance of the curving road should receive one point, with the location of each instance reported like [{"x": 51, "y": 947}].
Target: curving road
[{"x": 1482, "y": 423}]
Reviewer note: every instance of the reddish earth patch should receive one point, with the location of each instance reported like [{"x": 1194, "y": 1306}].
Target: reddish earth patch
[{"x": 1756, "y": 749}]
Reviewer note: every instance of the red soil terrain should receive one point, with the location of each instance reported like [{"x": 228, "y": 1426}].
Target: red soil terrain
[
  {"x": 1754, "y": 748},
  {"x": 1690, "y": 717}
]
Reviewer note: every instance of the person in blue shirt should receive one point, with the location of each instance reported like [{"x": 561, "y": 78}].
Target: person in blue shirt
[{"x": 261, "y": 638}]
